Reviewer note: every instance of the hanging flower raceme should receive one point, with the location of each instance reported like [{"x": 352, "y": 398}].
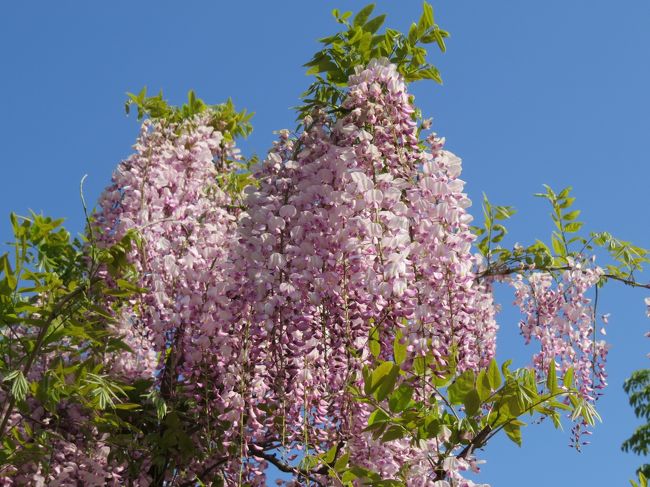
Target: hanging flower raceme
[
  {"x": 353, "y": 227},
  {"x": 561, "y": 318},
  {"x": 167, "y": 192},
  {"x": 418, "y": 229}
]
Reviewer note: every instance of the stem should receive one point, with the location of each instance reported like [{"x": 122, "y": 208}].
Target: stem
[
  {"x": 502, "y": 272},
  {"x": 308, "y": 476}
]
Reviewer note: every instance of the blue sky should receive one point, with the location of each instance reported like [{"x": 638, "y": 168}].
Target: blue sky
[{"x": 549, "y": 92}]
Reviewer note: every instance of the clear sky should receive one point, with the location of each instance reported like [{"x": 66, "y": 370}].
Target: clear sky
[{"x": 552, "y": 92}]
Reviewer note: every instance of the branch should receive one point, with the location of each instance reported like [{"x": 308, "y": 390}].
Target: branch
[
  {"x": 627, "y": 282},
  {"x": 206, "y": 471},
  {"x": 476, "y": 442},
  {"x": 500, "y": 272},
  {"x": 287, "y": 468}
]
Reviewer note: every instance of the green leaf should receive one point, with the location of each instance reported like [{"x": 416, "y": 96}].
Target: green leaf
[
  {"x": 363, "y": 15},
  {"x": 420, "y": 364},
  {"x": 400, "y": 398},
  {"x": 571, "y": 216},
  {"x": 367, "y": 381},
  {"x": 503, "y": 212},
  {"x": 427, "y": 12},
  {"x": 12, "y": 282},
  {"x": 493, "y": 375},
  {"x": 377, "y": 416},
  {"x": 461, "y": 387},
  {"x": 394, "y": 432},
  {"x": 19, "y": 385},
  {"x": 373, "y": 25},
  {"x": 551, "y": 378},
  {"x": 399, "y": 348},
  {"x": 348, "y": 477},
  {"x": 342, "y": 462},
  {"x": 426, "y": 19},
  {"x": 431, "y": 73},
  {"x": 472, "y": 403},
  {"x": 439, "y": 36},
  {"x": 378, "y": 375},
  {"x": 573, "y": 227},
  {"x": 128, "y": 406},
  {"x": 413, "y": 34},
  {"x": 568, "y": 378},
  {"x": 500, "y": 232},
  {"x": 308, "y": 462},
  {"x": 483, "y": 386},
  {"x": 330, "y": 454},
  {"x": 504, "y": 369},
  {"x": 558, "y": 246},
  {"x": 387, "y": 383},
  {"x": 513, "y": 431},
  {"x": 566, "y": 203},
  {"x": 375, "y": 347}
]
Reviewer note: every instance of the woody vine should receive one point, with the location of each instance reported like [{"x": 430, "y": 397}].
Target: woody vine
[{"x": 326, "y": 312}]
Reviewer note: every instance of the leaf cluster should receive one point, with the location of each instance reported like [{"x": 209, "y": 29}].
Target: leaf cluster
[
  {"x": 361, "y": 41},
  {"x": 55, "y": 331},
  {"x": 422, "y": 398},
  {"x": 643, "y": 480},
  {"x": 567, "y": 246},
  {"x": 492, "y": 231},
  {"x": 223, "y": 117},
  {"x": 637, "y": 387}
]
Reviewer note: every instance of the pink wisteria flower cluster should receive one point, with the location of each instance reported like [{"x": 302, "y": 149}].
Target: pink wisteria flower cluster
[
  {"x": 256, "y": 318},
  {"x": 561, "y": 318},
  {"x": 354, "y": 226}
]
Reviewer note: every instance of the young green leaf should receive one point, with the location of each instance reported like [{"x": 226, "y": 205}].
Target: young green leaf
[
  {"x": 363, "y": 15},
  {"x": 494, "y": 375},
  {"x": 461, "y": 387},
  {"x": 399, "y": 348},
  {"x": 551, "y": 378},
  {"x": 400, "y": 398},
  {"x": 568, "y": 378},
  {"x": 19, "y": 385},
  {"x": 513, "y": 431}
]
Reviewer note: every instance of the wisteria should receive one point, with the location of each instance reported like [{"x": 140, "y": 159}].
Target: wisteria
[
  {"x": 181, "y": 328},
  {"x": 354, "y": 226},
  {"x": 168, "y": 193},
  {"x": 262, "y": 316},
  {"x": 327, "y": 313},
  {"x": 562, "y": 318}
]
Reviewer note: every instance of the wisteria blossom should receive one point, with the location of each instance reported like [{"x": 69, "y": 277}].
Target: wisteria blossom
[
  {"x": 255, "y": 319},
  {"x": 354, "y": 226}
]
